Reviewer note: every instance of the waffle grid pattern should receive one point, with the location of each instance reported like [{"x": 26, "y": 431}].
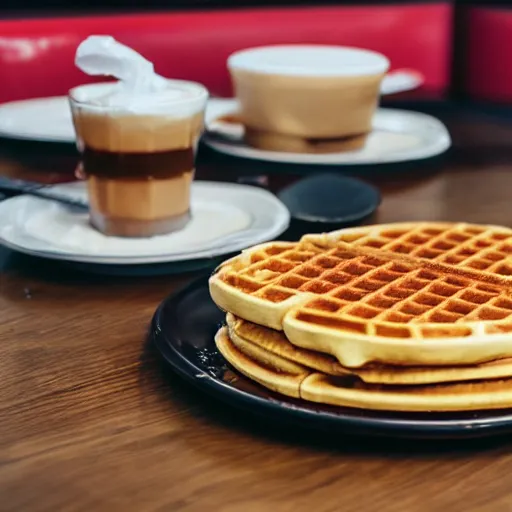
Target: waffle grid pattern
[
  {"x": 361, "y": 291},
  {"x": 475, "y": 247}
]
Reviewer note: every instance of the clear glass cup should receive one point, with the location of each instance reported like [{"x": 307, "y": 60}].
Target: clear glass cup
[{"x": 139, "y": 158}]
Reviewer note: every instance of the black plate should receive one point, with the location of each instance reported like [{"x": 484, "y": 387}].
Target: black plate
[{"x": 183, "y": 329}]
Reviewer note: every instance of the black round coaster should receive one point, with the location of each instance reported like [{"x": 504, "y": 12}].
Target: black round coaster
[{"x": 327, "y": 202}]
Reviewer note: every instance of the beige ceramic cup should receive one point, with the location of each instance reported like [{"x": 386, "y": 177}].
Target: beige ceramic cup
[
  {"x": 308, "y": 98},
  {"x": 139, "y": 157}
]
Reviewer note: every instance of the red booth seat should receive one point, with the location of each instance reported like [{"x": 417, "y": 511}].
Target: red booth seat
[
  {"x": 36, "y": 56},
  {"x": 489, "y": 54}
]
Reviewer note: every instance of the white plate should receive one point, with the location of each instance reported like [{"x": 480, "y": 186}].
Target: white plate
[
  {"x": 23, "y": 119},
  {"x": 398, "y": 136},
  {"x": 40, "y": 119},
  {"x": 226, "y": 218}
]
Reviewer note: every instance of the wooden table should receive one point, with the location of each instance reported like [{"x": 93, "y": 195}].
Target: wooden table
[{"x": 90, "y": 421}]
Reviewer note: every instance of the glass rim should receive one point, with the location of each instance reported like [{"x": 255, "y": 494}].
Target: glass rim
[{"x": 202, "y": 94}]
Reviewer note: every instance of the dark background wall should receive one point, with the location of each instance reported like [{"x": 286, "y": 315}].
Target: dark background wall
[
  {"x": 36, "y": 7},
  {"x": 29, "y": 7}
]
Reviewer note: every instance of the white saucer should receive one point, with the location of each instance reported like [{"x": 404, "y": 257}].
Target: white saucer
[
  {"x": 21, "y": 120},
  {"x": 398, "y": 136},
  {"x": 226, "y": 218}
]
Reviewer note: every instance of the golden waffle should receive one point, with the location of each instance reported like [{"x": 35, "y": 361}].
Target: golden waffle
[
  {"x": 262, "y": 342},
  {"x": 265, "y": 346},
  {"x": 485, "y": 248},
  {"x": 350, "y": 295},
  {"x": 351, "y": 392},
  {"x": 274, "y": 374}
]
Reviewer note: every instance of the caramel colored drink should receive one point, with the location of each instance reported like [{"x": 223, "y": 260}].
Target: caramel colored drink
[
  {"x": 307, "y": 98},
  {"x": 139, "y": 159}
]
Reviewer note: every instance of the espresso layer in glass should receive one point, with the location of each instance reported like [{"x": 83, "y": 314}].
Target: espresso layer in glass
[{"x": 159, "y": 165}]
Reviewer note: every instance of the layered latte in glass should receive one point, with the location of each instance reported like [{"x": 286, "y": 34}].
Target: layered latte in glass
[{"x": 138, "y": 155}]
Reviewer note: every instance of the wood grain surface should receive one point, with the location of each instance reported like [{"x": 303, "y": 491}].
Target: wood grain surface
[{"x": 90, "y": 421}]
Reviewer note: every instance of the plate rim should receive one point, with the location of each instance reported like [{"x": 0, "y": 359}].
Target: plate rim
[
  {"x": 374, "y": 426},
  {"x": 444, "y": 143},
  {"x": 282, "y": 220}
]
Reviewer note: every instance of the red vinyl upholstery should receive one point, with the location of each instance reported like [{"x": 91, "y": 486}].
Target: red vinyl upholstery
[
  {"x": 489, "y": 54},
  {"x": 36, "y": 56}
]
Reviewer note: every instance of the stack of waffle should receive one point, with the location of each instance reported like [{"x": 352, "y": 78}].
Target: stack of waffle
[{"x": 399, "y": 317}]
